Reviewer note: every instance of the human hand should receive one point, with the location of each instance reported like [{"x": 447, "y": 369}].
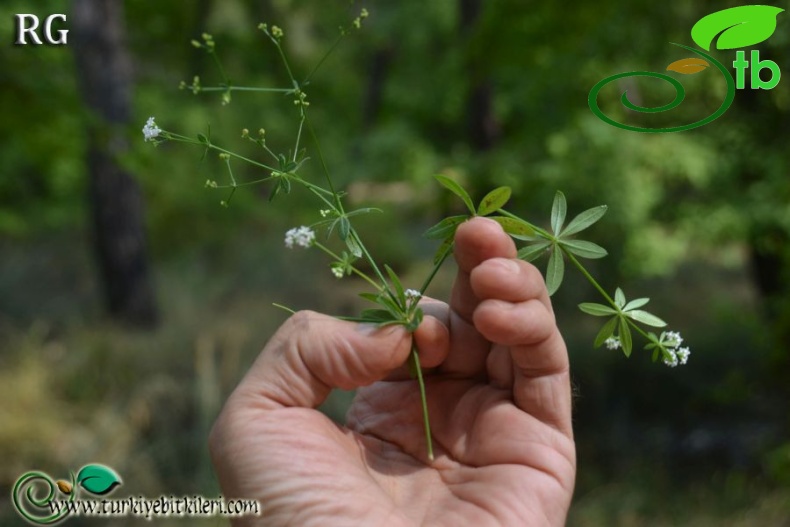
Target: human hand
[{"x": 498, "y": 389}]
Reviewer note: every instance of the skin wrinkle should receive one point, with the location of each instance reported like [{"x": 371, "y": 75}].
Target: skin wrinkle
[
  {"x": 460, "y": 490},
  {"x": 561, "y": 424}
]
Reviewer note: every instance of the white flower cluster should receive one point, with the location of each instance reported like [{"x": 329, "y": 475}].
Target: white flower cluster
[
  {"x": 337, "y": 271},
  {"x": 150, "y": 130},
  {"x": 301, "y": 236},
  {"x": 677, "y": 355},
  {"x": 612, "y": 343},
  {"x": 412, "y": 294}
]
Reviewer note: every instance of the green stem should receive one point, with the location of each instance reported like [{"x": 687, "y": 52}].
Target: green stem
[
  {"x": 372, "y": 262},
  {"x": 321, "y": 158},
  {"x": 356, "y": 271},
  {"x": 600, "y": 289},
  {"x": 247, "y": 183},
  {"x": 435, "y": 269},
  {"x": 245, "y": 88},
  {"x": 237, "y": 156},
  {"x": 233, "y": 184},
  {"x": 298, "y": 137},
  {"x": 324, "y": 57},
  {"x": 219, "y": 66},
  {"x": 589, "y": 277},
  {"x": 415, "y": 357},
  {"x": 285, "y": 63}
]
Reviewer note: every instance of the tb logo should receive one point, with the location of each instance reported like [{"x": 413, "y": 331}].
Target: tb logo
[
  {"x": 26, "y": 26},
  {"x": 733, "y": 28}
]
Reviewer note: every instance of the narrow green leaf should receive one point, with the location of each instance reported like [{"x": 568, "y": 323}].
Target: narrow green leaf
[
  {"x": 619, "y": 298},
  {"x": 558, "y": 210},
  {"x": 373, "y": 297},
  {"x": 646, "y": 318},
  {"x": 345, "y": 227},
  {"x": 365, "y": 210},
  {"x": 653, "y": 338},
  {"x": 555, "y": 271},
  {"x": 445, "y": 228},
  {"x": 202, "y": 138},
  {"x": 655, "y": 354},
  {"x": 530, "y": 253},
  {"x": 584, "y": 220},
  {"x": 354, "y": 247},
  {"x": 606, "y": 331},
  {"x": 636, "y": 303},
  {"x": 494, "y": 200},
  {"x": 446, "y": 246},
  {"x": 625, "y": 337},
  {"x": 516, "y": 228},
  {"x": 390, "y": 305},
  {"x": 584, "y": 249},
  {"x": 456, "y": 189},
  {"x": 396, "y": 284},
  {"x": 376, "y": 315},
  {"x": 598, "y": 310},
  {"x": 275, "y": 190}
]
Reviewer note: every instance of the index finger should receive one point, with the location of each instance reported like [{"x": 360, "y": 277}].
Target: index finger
[{"x": 476, "y": 241}]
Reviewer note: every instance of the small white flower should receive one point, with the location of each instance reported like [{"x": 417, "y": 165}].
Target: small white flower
[
  {"x": 683, "y": 355},
  {"x": 412, "y": 293},
  {"x": 674, "y": 339},
  {"x": 337, "y": 271},
  {"x": 150, "y": 130},
  {"x": 672, "y": 360},
  {"x": 325, "y": 212},
  {"x": 612, "y": 343},
  {"x": 301, "y": 236}
]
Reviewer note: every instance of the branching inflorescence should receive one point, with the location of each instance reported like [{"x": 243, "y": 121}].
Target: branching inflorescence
[{"x": 396, "y": 304}]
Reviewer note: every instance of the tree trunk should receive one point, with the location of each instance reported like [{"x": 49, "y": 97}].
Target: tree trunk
[
  {"x": 377, "y": 76},
  {"x": 481, "y": 123},
  {"x": 116, "y": 203}
]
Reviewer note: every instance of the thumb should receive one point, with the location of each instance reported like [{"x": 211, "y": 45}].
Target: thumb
[{"x": 313, "y": 353}]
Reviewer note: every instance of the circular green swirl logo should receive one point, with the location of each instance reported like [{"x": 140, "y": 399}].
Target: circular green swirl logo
[
  {"x": 732, "y": 28},
  {"x": 680, "y": 94}
]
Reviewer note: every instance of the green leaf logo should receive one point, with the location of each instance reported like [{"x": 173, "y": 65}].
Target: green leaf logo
[
  {"x": 98, "y": 479},
  {"x": 739, "y": 27}
]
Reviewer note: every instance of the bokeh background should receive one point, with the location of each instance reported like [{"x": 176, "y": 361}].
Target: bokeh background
[{"x": 131, "y": 302}]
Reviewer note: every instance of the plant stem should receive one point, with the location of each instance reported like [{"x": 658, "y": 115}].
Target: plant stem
[
  {"x": 298, "y": 137},
  {"x": 595, "y": 284},
  {"x": 324, "y": 57},
  {"x": 588, "y": 276},
  {"x": 435, "y": 269},
  {"x": 415, "y": 357},
  {"x": 245, "y": 88},
  {"x": 356, "y": 271},
  {"x": 219, "y": 66}
]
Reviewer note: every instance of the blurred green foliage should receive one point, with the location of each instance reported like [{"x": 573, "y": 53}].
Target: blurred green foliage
[{"x": 686, "y": 214}]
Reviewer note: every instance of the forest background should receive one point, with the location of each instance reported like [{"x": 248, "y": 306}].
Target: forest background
[{"x": 131, "y": 302}]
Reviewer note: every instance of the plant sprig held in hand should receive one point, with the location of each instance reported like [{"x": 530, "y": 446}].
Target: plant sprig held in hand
[{"x": 395, "y": 303}]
